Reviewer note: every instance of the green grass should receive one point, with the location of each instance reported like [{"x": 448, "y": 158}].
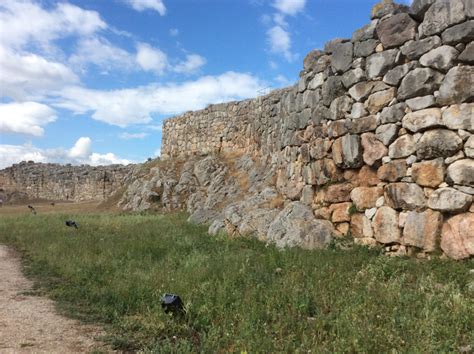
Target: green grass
[{"x": 240, "y": 294}]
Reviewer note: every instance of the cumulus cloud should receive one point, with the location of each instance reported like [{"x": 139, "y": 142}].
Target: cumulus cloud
[
  {"x": 135, "y": 106},
  {"x": 289, "y": 7},
  {"x": 192, "y": 63},
  {"x": 280, "y": 42},
  {"x": 25, "y": 118},
  {"x": 81, "y": 149},
  {"x": 130, "y": 136},
  {"x": 151, "y": 59},
  {"x": 142, "y": 5}
]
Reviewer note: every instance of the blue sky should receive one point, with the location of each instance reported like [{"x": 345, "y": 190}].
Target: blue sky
[{"x": 90, "y": 81}]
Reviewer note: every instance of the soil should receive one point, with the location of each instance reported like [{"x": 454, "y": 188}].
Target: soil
[{"x": 30, "y": 324}]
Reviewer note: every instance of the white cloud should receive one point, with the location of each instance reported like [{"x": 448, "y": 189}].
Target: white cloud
[
  {"x": 192, "y": 63},
  {"x": 142, "y": 5},
  {"x": 151, "y": 59},
  {"x": 289, "y": 7},
  {"x": 280, "y": 42},
  {"x": 130, "y": 136},
  {"x": 25, "y": 118},
  {"x": 135, "y": 106},
  {"x": 81, "y": 149}
]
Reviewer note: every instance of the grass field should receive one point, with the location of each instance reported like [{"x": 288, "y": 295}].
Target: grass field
[{"x": 240, "y": 295}]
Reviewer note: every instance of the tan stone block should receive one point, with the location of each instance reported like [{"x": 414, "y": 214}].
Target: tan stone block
[
  {"x": 385, "y": 225},
  {"x": 361, "y": 226},
  {"x": 340, "y": 212},
  {"x": 422, "y": 230},
  {"x": 457, "y": 236},
  {"x": 366, "y": 197},
  {"x": 428, "y": 173},
  {"x": 392, "y": 171}
]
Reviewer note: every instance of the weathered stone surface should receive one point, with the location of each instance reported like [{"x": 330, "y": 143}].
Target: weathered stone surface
[
  {"x": 324, "y": 171},
  {"x": 415, "y": 49},
  {"x": 387, "y": 7},
  {"x": 457, "y": 236},
  {"x": 457, "y": 86},
  {"x": 366, "y": 32},
  {"x": 419, "y": 7},
  {"x": 374, "y": 150},
  {"x": 387, "y": 133},
  {"x": 365, "y": 48},
  {"x": 340, "y": 212},
  {"x": 407, "y": 196},
  {"x": 393, "y": 114},
  {"x": 467, "y": 55},
  {"x": 295, "y": 225},
  {"x": 353, "y": 76},
  {"x": 419, "y": 82},
  {"x": 422, "y": 230},
  {"x": 361, "y": 226},
  {"x": 385, "y": 225},
  {"x": 402, "y": 147},
  {"x": 361, "y": 125},
  {"x": 202, "y": 216},
  {"x": 449, "y": 200},
  {"x": 347, "y": 151},
  {"x": 441, "y": 15},
  {"x": 365, "y": 197},
  {"x": 358, "y": 110},
  {"x": 423, "y": 102},
  {"x": 379, "y": 63},
  {"x": 438, "y": 143},
  {"x": 441, "y": 58},
  {"x": 394, "y": 76},
  {"x": 428, "y": 173},
  {"x": 337, "y": 128},
  {"x": 396, "y": 30},
  {"x": 342, "y": 57},
  {"x": 392, "y": 171},
  {"x": 469, "y": 147},
  {"x": 462, "y": 33},
  {"x": 340, "y": 107},
  {"x": 338, "y": 193},
  {"x": 460, "y": 117},
  {"x": 311, "y": 59},
  {"x": 366, "y": 176},
  {"x": 330, "y": 46},
  {"x": 332, "y": 89},
  {"x": 361, "y": 90},
  {"x": 461, "y": 172},
  {"x": 422, "y": 120},
  {"x": 378, "y": 100},
  {"x": 257, "y": 222}
]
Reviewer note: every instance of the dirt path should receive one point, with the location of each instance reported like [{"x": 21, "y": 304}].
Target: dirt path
[{"x": 30, "y": 324}]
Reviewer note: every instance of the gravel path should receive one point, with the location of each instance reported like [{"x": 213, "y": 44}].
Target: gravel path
[{"x": 30, "y": 324}]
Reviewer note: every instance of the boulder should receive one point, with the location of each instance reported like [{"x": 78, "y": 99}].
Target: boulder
[
  {"x": 202, "y": 216},
  {"x": 365, "y": 33},
  {"x": 441, "y": 58},
  {"x": 337, "y": 193},
  {"x": 428, "y": 173},
  {"x": 459, "y": 117},
  {"x": 353, "y": 77},
  {"x": 385, "y": 225},
  {"x": 467, "y": 55},
  {"x": 374, "y": 150},
  {"x": 337, "y": 128},
  {"x": 419, "y": 82},
  {"x": 358, "y": 110},
  {"x": 365, "y": 48},
  {"x": 423, "y": 229},
  {"x": 379, "y": 63},
  {"x": 378, "y": 100},
  {"x": 418, "y": 103},
  {"x": 461, "y": 172},
  {"x": 342, "y": 57},
  {"x": 256, "y": 222},
  {"x": 323, "y": 171},
  {"x": 331, "y": 89},
  {"x": 331, "y": 45},
  {"x": 340, "y": 107},
  {"x": 406, "y": 196},
  {"x": 216, "y": 227},
  {"x": 387, "y": 133},
  {"x": 361, "y": 226},
  {"x": 365, "y": 197},
  {"x": 449, "y": 200},
  {"x": 393, "y": 114},
  {"x": 415, "y": 49},
  {"x": 469, "y": 147},
  {"x": 393, "y": 171},
  {"x": 422, "y": 120},
  {"x": 402, "y": 147},
  {"x": 457, "y": 236},
  {"x": 462, "y": 33},
  {"x": 361, "y": 90},
  {"x": 396, "y": 30},
  {"x": 311, "y": 59},
  {"x": 361, "y": 125},
  {"x": 295, "y": 225},
  {"x": 340, "y": 212},
  {"x": 441, "y": 15},
  {"x": 438, "y": 143},
  {"x": 347, "y": 151},
  {"x": 394, "y": 76},
  {"x": 419, "y": 7},
  {"x": 457, "y": 86}
]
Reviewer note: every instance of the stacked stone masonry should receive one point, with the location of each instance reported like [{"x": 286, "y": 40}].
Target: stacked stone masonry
[{"x": 376, "y": 136}]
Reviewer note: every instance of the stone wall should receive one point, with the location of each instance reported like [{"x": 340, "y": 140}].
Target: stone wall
[
  {"x": 59, "y": 182},
  {"x": 376, "y": 136}
]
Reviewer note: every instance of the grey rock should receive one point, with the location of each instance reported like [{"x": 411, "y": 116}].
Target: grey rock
[
  {"x": 361, "y": 90},
  {"x": 202, "y": 216},
  {"x": 419, "y": 82},
  {"x": 460, "y": 117},
  {"x": 366, "y": 32},
  {"x": 387, "y": 7},
  {"x": 216, "y": 227},
  {"x": 419, "y": 7},
  {"x": 402, "y": 147},
  {"x": 406, "y": 196},
  {"x": 317, "y": 81},
  {"x": 469, "y": 147},
  {"x": 342, "y": 57},
  {"x": 385, "y": 225},
  {"x": 441, "y": 58},
  {"x": 394, "y": 76},
  {"x": 387, "y": 133},
  {"x": 462, "y": 33},
  {"x": 449, "y": 200},
  {"x": 422, "y": 120},
  {"x": 311, "y": 59},
  {"x": 347, "y": 151},
  {"x": 415, "y": 49},
  {"x": 332, "y": 89},
  {"x": 331, "y": 45},
  {"x": 353, "y": 77},
  {"x": 256, "y": 222},
  {"x": 340, "y": 107},
  {"x": 418, "y": 103},
  {"x": 422, "y": 230},
  {"x": 461, "y": 172},
  {"x": 467, "y": 55},
  {"x": 379, "y": 63},
  {"x": 358, "y": 110},
  {"x": 457, "y": 86},
  {"x": 441, "y": 15},
  {"x": 396, "y": 30},
  {"x": 365, "y": 48},
  {"x": 455, "y": 157},
  {"x": 361, "y": 125},
  {"x": 438, "y": 143},
  {"x": 393, "y": 114}
]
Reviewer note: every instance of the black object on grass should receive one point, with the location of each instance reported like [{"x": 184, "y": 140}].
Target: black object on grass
[
  {"x": 71, "y": 223},
  {"x": 32, "y": 209},
  {"x": 172, "y": 303}
]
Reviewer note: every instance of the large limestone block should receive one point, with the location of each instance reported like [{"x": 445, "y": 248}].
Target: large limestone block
[
  {"x": 441, "y": 58},
  {"x": 394, "y": 76},
  {"x": 353, "y": 77},
  {"x": 438, "y": 143},
  {"x": 387, "y": 133},
  {"x": 415, "y": 49},
  {"x": 361, "y": 226},
  {"x": 422, "y": 230},
  {"x": 365, "y": 197},
  {"x": 341, "y": 60},
  {"x": 379, "y": 63},
  {"x": 331, "y": 89},
  {"x": 340, "y": 107},
  {"x": 385, "y": 225},
  {"x": 441, "y": 15},
  {"x": 462, "y": 33},
  {"x": 449, "y": 200},
  {"x": 374, "y": 150},
  {"x": 404, "y": 146},
  {"x": 393, "y": 171},
  {"x": 469, "y": 147},
  {"x": 467, "y": 55},
  {"x": 422, "y": 102},
  {"x": 428, "y": 173},
  {"x": 365, "y": 48},
  {"x": 419, "y": 7},
  {"x": 337, "y": 193},
  {"x": 340, "y": 212},
  {"x": 419, "y": 82},
  {"x": 457, "y": 86},
  {"x": 461, "y": 172},
  {"x": 379, "y": 100},
  {"x": 347, "y": 151},
  {"x": 422, "y": 120},
  {"x": 457, "y": 236},
  {"x": 296, "y": 225},
  {"x": 407, "y": 196},
  {"x": 393, "y": 114},
  {"x": 365, "y": 33},
  {"x": 396, "y": 30}
]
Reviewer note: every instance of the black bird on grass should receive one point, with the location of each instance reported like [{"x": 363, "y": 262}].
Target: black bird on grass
[
  {"x": 32, "y": 209},
  {"x": 172, "y": 303},
  {"x": 71, "y": 223}
]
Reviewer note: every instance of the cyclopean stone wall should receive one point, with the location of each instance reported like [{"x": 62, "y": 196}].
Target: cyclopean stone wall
[
  {"x": 376, "y": 136},
  {"x": 59, "y": 182}
]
